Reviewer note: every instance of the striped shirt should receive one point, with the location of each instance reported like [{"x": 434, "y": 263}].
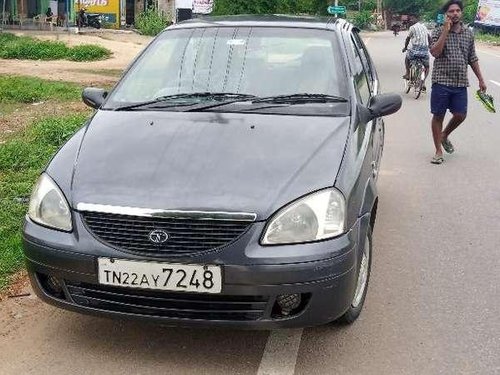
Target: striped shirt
[
  {"x": 419, "y": 36},
  {"x": 450, "y": 68}
]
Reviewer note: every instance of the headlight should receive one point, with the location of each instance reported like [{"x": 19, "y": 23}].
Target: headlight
[
  {"x": 48, "y": 205},
  {"x": 318, "y": 216}
]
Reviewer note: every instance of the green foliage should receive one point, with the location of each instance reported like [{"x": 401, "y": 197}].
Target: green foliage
[
  {"x": 368, "y": 5},
  {"x": 31, "y": 89},
  {"x": 484, "y": 37},
  {"x": 26, "y": 48},
  {"x": 10, "y": 232},
  {"x": 412, "y": 6},
  {"x": 470, "y": 9},
  {"x": 14, "y": 47},
  {"x": 362, "y": 19},
  {"x": 21, "y": 160},
  {"x": 429, "y": 9},
  {"x": 151, "y": 22},
  {"x": 88, "y": 53},
  {"x": 311, "y": 7},
  {"x": 430, "y": 15}
]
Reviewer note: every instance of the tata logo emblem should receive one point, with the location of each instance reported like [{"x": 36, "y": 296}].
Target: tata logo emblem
[{"x": 158, "y": 236}]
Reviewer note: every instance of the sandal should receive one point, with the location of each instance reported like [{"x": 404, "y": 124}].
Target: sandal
[
  {"x": 448, "y": 146},
  {"x": 486, "y": 100},
  {"x": 437, "y": 160}
]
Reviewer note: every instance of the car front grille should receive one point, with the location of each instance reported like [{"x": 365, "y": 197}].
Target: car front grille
[
  {"x": 186, "y": 236},
  {"x": 168, "y": 305}
]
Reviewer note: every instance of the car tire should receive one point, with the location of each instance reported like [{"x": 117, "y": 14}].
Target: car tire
[{"x": 362, "y": 281}]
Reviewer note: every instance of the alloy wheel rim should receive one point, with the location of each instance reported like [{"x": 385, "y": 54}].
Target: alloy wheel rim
[{"x": 363, "y": 275}]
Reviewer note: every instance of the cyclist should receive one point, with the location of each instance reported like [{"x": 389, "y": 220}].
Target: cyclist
[
  {"x": 395, "y": 29},
  {"x": 420, "y": 42}
]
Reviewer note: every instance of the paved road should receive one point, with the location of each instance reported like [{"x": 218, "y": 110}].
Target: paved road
[{"x": 433, "y": 304}]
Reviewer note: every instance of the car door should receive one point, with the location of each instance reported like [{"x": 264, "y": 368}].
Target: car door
[
  {"x": 364, "y": 87},
  {"x": 377, "y": 126}
]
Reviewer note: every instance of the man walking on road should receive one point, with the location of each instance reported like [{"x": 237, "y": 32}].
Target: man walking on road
[{"x": 454, "y": 50}]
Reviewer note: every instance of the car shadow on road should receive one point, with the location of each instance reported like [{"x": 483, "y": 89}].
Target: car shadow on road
[{"x": 138, "y": 345}]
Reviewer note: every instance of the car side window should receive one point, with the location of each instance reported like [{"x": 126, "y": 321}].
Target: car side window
[
  {"x": 363, "y": 83},
  {"x": 361, "y": 79},
  {"x": 365, "y": 59}
]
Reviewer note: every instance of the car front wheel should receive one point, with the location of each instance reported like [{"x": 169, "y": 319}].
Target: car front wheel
[{"x": 362, "y": 282}]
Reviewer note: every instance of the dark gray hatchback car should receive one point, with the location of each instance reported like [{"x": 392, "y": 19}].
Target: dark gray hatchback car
[{"x": 229, "y": 179}]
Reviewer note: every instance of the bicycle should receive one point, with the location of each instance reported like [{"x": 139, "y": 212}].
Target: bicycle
[{"x": 417, "y": 77}]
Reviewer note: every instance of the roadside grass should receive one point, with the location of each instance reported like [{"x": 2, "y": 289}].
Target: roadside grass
[
  {"x": 20, "y": 89},
  {"x": 26, "y": 48},
  {"x": 493, "y": 39},
  {"x": 6, "y": 108},
  {"x": 26, "y": 152},
  {"x": 88, "y": 52},
  {"x": 22, "y": 158}
]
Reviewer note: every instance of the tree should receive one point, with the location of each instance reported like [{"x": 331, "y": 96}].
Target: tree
[
  {"x": 313, "y": 7},
  {"x": 417, "y": 7},
  {"x": 470, "y": 10},
  {"x": 428, "y": 9}
]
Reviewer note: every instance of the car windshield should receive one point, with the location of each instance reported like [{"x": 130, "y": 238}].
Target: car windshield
[{"x": 256, "y": 62}]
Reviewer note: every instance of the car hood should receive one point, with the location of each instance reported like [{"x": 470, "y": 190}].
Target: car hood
[{"x": 206, "y": 161}]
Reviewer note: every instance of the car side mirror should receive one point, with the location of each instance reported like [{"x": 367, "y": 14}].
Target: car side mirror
[
  {"x": 94, "y": 97},
  {"x": 384, "y": 105}
]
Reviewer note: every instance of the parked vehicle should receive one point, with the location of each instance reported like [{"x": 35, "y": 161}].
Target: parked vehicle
[
  {"x": 229, "y": 179},
  {"x": 85, "y": 19}
]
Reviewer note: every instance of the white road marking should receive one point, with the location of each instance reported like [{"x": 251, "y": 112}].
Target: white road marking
[
  {"x": 280, "y": 354},
  {"x": 495, "y": 82}
]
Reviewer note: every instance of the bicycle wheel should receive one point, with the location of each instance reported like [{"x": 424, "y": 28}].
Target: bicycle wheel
[{"x": 418, "y": 83}]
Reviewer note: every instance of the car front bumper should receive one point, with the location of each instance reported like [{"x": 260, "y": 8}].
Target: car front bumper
[{"x": 325, "y": 280}]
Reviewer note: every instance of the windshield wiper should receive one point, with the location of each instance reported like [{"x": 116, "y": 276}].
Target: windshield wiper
[
  {"x": 301, "y": 99},
  {"x": 160, "y": 101}
]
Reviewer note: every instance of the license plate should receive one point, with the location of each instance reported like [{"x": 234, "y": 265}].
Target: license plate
[{"x": 160, "y": 276}]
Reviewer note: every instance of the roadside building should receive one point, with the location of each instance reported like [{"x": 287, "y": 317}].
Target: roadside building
[{"x": 116, "y": 13}]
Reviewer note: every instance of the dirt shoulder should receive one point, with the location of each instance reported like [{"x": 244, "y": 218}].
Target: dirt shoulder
[{"x": 124, "y": 46}]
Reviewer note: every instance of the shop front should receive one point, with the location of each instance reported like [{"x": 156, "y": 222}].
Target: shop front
[{"x": 108, "y": 9}]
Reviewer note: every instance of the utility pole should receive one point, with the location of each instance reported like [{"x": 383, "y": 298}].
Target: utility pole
[
  {"x": 380, "y": 12},
  {"x": 78, "y": 18},
  {"x": 3, "y": 16}
]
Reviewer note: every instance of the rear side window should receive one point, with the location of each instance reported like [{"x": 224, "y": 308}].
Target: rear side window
[
  {"x": 361, "y": 76},
  {"x": 365, "y": 59}
]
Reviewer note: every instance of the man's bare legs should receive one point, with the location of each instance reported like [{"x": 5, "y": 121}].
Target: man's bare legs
[
  {"x": 426, "y": 68},
  {"x": 455, "y": 121},
  {"x": 407, "y": 66},
  {"x": 437, "y": 130}
]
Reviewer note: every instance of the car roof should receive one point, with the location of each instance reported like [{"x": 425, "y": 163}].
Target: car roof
[{"x": 324, "y": 23}]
